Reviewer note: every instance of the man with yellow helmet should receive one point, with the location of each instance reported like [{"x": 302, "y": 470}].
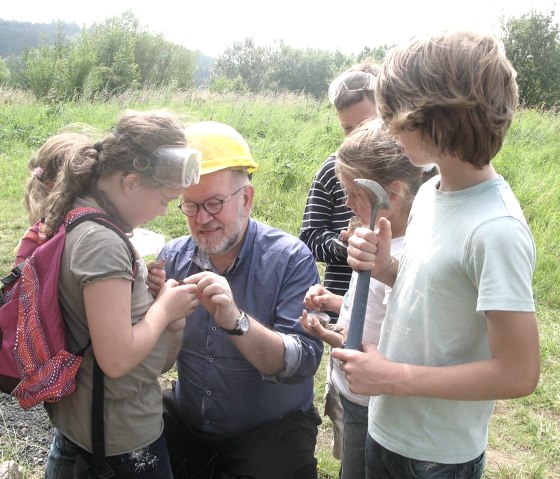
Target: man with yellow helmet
[{"x": 243, "y": 402}]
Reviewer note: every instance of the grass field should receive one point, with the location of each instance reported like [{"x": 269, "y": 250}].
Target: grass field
[{"x": 290, "y": 136}]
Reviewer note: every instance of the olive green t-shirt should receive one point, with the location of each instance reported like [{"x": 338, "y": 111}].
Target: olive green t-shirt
[{"x": 133, "y": 402}]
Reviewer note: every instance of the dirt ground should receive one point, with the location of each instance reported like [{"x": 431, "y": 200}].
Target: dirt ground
[{"x": 24, "y": 434}]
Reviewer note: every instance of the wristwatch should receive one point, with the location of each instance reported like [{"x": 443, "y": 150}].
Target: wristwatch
[{"x": 241, "y": 325}]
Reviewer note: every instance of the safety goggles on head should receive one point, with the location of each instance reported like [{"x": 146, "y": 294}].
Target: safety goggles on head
[
  {"x": 171, "y": 165},
  {"x": 351, "y": 81},
  {"x": 176, "y": 166}
]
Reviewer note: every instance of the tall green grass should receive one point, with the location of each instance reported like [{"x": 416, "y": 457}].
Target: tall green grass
[{"x": 290, "y": 136}]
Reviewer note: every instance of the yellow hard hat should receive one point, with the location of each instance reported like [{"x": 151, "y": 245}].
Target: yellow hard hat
[{"x": 221, "y": 147}]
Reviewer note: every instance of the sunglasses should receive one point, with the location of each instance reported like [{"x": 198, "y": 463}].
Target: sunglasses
[{"x": 351, "y": 81}]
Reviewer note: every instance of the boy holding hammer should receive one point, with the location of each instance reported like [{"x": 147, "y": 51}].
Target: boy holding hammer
[{"x": 460, "y": 329}]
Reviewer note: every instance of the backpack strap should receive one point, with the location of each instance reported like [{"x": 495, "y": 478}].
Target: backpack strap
[
  {"x": 14, "y": 274},
  {"x": 78, "y": 215},
  {"x": 10, "y": 279},
  {"x": 71, "y": 220}
]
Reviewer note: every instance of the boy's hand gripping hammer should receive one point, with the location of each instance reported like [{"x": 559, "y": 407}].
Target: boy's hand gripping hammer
[{"x": 357, "y": 318}]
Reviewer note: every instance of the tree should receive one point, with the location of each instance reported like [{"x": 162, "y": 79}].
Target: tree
[
  {"x": 248, "y": 62},
  {"x": 114, "y": 42},
  {"x": 375, "y": 55},
  {"x": 278, "y": 68},
  {"x": 298, "y": 70},
  {"x": 4, "y": 73},
  {"x": 532, "y": 44},
  {"x": 109, "y": 58},
  {"x": 162, "y": 63}
]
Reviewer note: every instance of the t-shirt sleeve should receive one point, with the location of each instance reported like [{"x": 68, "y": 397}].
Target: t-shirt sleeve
[
  {"x": 501, "y": 264},
  {"x": 99, "y": 253}
]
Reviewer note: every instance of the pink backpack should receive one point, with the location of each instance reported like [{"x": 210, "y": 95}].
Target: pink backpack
[{"x": 35, "y": 364}]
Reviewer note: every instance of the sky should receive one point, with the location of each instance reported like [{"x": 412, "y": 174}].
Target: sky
[{"x": 211, "y": 26}]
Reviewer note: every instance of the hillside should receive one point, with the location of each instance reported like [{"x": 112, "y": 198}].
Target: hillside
[{"x": 17, "y": 36}]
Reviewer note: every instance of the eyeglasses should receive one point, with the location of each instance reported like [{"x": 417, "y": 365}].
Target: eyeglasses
[
  {"x": 212, "y": 206},
  {"x": 351, "y": 81}
]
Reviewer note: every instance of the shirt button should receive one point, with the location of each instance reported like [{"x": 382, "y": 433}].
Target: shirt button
[
  {"x": 206, "y": 421},
  {"x": 210, "y": 360},
  {"x": 214, "y": 328},
  {"x": 208, "y": 393}
]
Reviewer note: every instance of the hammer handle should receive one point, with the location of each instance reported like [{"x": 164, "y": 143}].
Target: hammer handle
[{"x": 358, "y": 315}]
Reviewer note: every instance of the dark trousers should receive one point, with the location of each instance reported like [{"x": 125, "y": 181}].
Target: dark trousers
[
  {"x": 381, "y": 463},
  {"x": 281, "y": 449}
]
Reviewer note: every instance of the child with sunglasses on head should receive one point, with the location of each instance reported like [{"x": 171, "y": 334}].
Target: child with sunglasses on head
[
  {"x": 326, "y": 216},
  {"x": 132, "y": 175},
  {"x": 460, "y": 329},
  {"x": 368, "y": 152}
]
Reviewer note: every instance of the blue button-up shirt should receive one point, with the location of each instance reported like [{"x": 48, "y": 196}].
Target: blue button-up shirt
[{"x": 218, "y": 391}]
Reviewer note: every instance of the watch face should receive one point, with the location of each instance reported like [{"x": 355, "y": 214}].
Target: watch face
[{"x": 244, "y": 323}]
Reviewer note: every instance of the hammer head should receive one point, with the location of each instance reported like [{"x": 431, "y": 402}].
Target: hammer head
[{"x": 381, "y": 198}]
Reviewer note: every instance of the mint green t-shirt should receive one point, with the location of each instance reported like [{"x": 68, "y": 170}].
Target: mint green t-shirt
[{"x": 465, "y": 253}]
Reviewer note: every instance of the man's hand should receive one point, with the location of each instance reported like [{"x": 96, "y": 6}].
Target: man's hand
[{"x": 215, "y": 296}]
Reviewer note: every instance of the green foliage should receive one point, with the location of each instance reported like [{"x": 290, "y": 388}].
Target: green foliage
[
  {"x": 4, "y": 73},
  {"x": 114, "y": 42},
  {"x": 529, "y": 160},
  {"x": 224, "y": 84},
  {"x": 532, "y": 43},
  {"x": 119, "y": 55},
  {"x": 162, "y": 63},
  {"x": 39, "y": 70},
  {"x": 247, "y": 61},
  {"x": 375, "y": 55},
  {"x": 110, "y": 58},
  {"x": 297, "y": 70},
  {"x": 279, "y": 68}
]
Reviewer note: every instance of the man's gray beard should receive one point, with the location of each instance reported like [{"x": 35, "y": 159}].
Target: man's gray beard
[{"x": 213, "y": 248}]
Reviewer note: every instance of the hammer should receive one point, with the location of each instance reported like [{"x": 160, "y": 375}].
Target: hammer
[{"x": 358, "y": 315}]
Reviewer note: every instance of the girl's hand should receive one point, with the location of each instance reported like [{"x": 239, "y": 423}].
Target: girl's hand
[
  {"x": 312, "y": 326},
  {"x": 178, "y": 301},
  {"x": 318, "y": 298},
  {"x": 156, "y": 276},
  {"x": 314, "y": 297}
]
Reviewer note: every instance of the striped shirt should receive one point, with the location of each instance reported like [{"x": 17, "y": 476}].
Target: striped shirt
[{"x": 325, "y": 216}]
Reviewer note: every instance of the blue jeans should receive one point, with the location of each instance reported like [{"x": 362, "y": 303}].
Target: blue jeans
[
  {"x": 384, "y": 464},
  {"x": 148, "y": 462},
  {"x": 355, "y": 421}
]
